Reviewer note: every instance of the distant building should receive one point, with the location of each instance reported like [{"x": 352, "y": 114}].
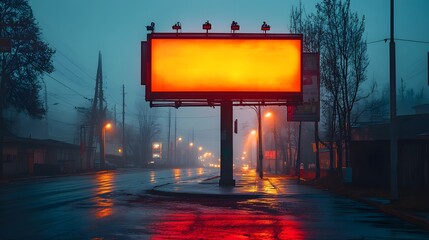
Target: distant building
[
  {"x": 26, "y": 156},
  {"x": 370, "y": 153}
]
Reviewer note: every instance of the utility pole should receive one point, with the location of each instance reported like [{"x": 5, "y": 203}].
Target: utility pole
[
  {"x": 316, "y": 140},
  {"x": 175, "y": 138},
  {"x": 46, "y": 109},
  {"x": 102, "y": 115},
  {"x": 168, "y": 138},
  {"x": 2, "y": 98},
  {"x": 298, "y": 158},
  {"x": 97, "y": 117},
  {"x": 124, "y": 152},
  {"x": 114, "y": 113},
  {"x": 260, "y": 165},
  {"x": 393, "y": 121}
]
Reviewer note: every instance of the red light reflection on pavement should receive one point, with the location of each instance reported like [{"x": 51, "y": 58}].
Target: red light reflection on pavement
[{"x": 226, "y": 225}]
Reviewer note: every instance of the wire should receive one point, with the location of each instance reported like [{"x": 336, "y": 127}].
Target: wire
[
  {"x": 399, "y": 39},
  {"x": 58, "y": 121},
  {"x": 58, "y": 81},
  {"x": 413, "y": 41},
  {"x": 377, "y": 41},
  {"x": 76, "y": 65}
]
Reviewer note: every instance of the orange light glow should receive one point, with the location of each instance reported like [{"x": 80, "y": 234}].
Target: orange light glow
[
  {"x": 105, "y": 185},
  {"x": 226, "y": 65},
  {"x": 108, "y": 126},
  {"x": 268, "y": 114}
]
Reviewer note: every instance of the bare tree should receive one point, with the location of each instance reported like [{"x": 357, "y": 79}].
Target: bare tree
[
  {"x": 310, "y": 27},
  {"x": 345, "y": 60},
  {"x": 148, "y": 130},
  {"x": 338, "y": 33}
]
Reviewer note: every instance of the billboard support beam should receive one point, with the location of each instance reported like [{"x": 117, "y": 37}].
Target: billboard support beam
[{"x": 226, "y": 148}]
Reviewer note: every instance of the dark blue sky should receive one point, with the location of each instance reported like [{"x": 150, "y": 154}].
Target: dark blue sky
[{"x": 78, "y": 29}]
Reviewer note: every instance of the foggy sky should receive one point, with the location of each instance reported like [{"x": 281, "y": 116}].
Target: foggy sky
[{"x": 78, "y": 29}]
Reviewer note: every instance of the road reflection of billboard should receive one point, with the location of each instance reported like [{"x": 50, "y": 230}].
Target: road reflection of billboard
[{"x": 228, "y": 224}]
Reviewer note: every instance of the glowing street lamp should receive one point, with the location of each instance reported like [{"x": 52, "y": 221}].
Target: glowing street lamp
[
  {"x": 270, "y": 115},
  {"x": 107, "y": 126}
]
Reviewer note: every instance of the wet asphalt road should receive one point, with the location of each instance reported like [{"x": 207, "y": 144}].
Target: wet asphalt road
[{"x": 115, "y": 205}]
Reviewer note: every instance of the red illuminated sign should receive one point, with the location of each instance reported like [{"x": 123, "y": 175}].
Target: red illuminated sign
[{"x": 236, "y": 67}]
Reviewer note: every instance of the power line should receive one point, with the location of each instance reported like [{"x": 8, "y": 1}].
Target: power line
[
  {"x": 377, "y": 41},
  {"x": 62, "y": 122},
  {"x": 76, "y": 65},
  {"x": 71, "y": 89},
  {"x": 398, "y": 39},
  {"x": 413, "y": 41}
]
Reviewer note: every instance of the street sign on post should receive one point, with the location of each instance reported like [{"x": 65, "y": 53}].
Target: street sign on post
[{"x": 309, "y": 110}]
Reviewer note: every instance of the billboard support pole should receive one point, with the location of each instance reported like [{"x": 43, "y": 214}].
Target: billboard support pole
[
  {"x": 260, "y": 165},
  {"x": 298, "y": 158},
  {"x": 226, "y": 148}
]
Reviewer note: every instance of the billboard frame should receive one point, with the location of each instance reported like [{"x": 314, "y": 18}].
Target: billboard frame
[{"x": 213, "y": 98}]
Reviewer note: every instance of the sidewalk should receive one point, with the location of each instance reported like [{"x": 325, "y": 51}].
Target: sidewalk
[{"x": 248, "y": 186}]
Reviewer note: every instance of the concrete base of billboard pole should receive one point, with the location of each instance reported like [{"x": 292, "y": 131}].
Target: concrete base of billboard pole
[{"x": 226, "y": 148}]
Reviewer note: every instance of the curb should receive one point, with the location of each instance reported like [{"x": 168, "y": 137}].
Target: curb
[
  {"x": 418, "y": 221},
  {"x": 157, "y": 191}
]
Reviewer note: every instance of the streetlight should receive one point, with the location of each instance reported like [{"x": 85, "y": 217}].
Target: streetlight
[
  {"x": 260, "y": 155},
  {"x": 259, "y": 164},
  {"x": 253, "y": 134},
  {"x": 270, "y": 115},
  {"x": 103, "y": 145},
  {"x": 191, "y": 154},
  {"x": 178, "y": 152}
]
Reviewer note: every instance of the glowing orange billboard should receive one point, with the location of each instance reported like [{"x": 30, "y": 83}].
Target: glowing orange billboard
[{"x": 223, "y": 66}]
